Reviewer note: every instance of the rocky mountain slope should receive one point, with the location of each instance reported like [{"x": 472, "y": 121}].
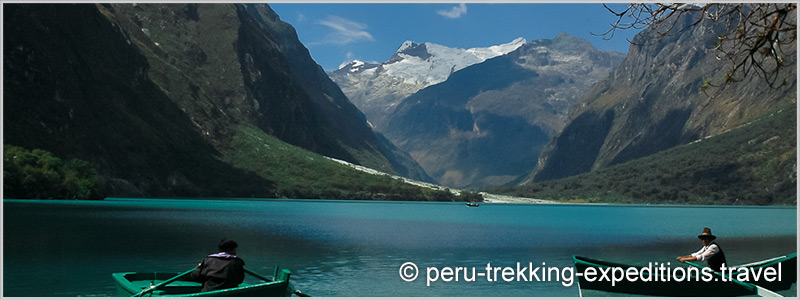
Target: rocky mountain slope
[
  {"x": 377, "y": 88},
  {"x": 486, "y": 124},
  {"x": 653, "y": 102},
  {"x": 152, "y": 95},
  {"x": 754, "y": 164}
]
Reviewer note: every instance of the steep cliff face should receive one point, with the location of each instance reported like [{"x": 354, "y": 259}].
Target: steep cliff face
[
  {"x": 653, "y": 102},
  {"x": 487, "y": 123},
  {"x": 75, "y": 86},
  {"x": 153, "y": 94},
  {"x": 229, "y": 64}
]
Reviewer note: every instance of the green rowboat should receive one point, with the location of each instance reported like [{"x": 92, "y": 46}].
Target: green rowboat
[
  {"x": 172, "y": 284},
  {"x": 661, "y": 284},
  {"x": 788, "y": 274}
]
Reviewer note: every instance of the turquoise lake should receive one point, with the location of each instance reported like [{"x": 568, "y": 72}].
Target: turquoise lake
[{"x": 355, "y": 248}]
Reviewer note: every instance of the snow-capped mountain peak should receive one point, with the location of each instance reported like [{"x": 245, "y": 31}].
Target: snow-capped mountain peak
[
  {"x": 428, "y": 63},
  {"x": 377, "y": 87},
  {"x": 351, "y": 64},
  {"x": 406, "y": 45},
  {"x": 356, "y": 66},
  {"x": 493, "y": 51}
]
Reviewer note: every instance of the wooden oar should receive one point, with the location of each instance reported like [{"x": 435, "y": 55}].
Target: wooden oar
[
  {"x": 760, "y": 291},
  {"x": 150, "y": 289}
]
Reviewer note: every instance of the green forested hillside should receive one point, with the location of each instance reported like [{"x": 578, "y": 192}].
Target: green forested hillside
[
  {"x": 298, "y": 173},
  {"x": 754, "y": 164},
  {"x": 292, "y": 172}
]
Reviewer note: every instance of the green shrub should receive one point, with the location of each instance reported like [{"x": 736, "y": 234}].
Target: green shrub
[{"x": 38, "y": 174}]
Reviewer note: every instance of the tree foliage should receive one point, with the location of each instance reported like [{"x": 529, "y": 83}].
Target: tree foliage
[
  {"x": 753, "y": 38},
  {"x": 38, "y": 174}
]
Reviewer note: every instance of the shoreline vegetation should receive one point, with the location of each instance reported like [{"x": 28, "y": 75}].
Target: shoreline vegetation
[
  {"x": 739, "y": 162},
  {"x": 295, "y": 173},
  {"x": 39, "y": 174},
  {"x": 76, "y": 180},
  {"x": 506, "y": 201}
]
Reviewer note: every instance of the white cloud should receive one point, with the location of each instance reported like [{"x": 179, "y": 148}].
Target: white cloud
[
  {"x": 454, "y": 12},
  {"x": 345, "y": 31}
]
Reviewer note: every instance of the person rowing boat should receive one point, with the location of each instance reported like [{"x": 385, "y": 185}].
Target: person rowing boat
[{"x": 221, "y": 270}]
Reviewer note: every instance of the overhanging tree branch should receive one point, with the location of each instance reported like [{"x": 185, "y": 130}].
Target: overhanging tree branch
[{"x": 754, "y": 39}]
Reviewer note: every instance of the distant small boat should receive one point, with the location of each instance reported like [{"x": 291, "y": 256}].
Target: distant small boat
[
  {"x": 666, "y": 286},
  {"x": 154, "y": 284},
  {"x": 473, "y": 204}
]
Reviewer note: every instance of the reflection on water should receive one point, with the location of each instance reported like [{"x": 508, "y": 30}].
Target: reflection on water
[{"x": 346, "y": 248}]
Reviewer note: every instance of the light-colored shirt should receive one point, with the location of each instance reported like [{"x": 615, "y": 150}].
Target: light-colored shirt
[{"x": 706, "y": 252}]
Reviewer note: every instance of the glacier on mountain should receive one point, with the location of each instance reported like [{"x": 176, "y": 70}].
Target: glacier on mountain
[
  {"x": 440, "y": 61},
  {"x": 376, "y": 88}
]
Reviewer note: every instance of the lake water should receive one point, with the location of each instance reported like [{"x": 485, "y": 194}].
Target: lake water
[{"x": 355, "y": 248}]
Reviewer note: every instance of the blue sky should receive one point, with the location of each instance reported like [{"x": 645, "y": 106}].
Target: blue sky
[{"x": 335, "y": 33}]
